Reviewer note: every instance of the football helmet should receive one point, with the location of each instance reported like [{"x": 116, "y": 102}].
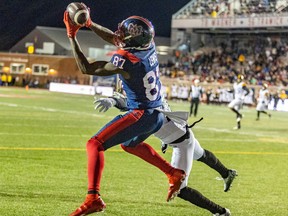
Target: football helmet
[
  {"x": 135, "y": 32},
  {"x": 240, "y": 78}
]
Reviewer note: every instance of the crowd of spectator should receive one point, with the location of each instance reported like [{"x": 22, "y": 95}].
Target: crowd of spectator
[
  {"x": 228, "y": 8},
  {"x": 260, "y": 59}
]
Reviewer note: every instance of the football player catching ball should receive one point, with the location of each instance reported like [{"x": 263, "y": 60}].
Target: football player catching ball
[{"x": 138, "y": 68}]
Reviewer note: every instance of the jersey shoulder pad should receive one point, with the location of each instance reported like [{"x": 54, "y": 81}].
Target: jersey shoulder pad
[{"x": 128, "y": 55}]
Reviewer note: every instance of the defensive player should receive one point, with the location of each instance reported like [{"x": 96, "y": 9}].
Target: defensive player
[
  {"x": 263, "y": 101},
  {"x": 186, "y": 148},
  {"x": 137, "y": 64},
  {"x": 240, "y": 91}
]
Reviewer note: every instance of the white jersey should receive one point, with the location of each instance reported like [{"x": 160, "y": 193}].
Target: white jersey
[
  {"x": 263, "y": 100},
  {"x": 263, "y": 96},
  {"x": 196, "y": 91},
  {"x": 170, "y": 131},
  {"x": 239, "y": 92}
]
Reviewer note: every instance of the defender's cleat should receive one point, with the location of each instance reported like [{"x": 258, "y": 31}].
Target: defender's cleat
[
  {"x": 175, "y": 181},
  {"x": 236, "y": 128},
  {"x": 230, "y": 178},
  {"x": 227, "y": 213},
  {"x": 93, "y": 203}
]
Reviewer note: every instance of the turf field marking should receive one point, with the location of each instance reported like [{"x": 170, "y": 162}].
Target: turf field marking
[
  {"x": 43, "y": 134},
  {"x": 41, "y": 149},
  {"x": 120, "y": 150},
  {"x": 266, "y": 139},
  {"x": 53, "y": 110},
  {"x": 239, "y": 132},
  {"x": 89, "y": 135}
]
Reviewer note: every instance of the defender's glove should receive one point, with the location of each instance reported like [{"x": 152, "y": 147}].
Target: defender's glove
[
  {"x": 164, "y": 148},
  {"x": 70, "y": 27},
  {"x": 103, "y": 104},
  {"x": 121, "y": 101}
]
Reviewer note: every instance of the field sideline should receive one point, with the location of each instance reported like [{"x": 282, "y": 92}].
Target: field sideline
[{"x": 43, "y": 160}]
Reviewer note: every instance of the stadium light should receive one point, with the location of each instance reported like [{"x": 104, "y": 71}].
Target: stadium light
[
  {"x": 6, "y": 69},
  {"x": 28, "y": 70},
  {"x": 52, "y": 71}
]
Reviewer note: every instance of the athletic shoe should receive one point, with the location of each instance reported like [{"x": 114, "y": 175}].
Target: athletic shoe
[
  {"x": 93, "y": 203},
  {"x": 227, "y": 213},
  {"x": 236, "y": 128},
  {"x": 230, "y": 178},
  {"x": 175, "y": 181}
]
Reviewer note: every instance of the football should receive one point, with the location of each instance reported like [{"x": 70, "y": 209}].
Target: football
[{"x": 78, "y": 13}]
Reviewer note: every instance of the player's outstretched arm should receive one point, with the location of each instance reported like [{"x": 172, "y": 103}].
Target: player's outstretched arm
[
  {"x": 99, "y": 68},
  {"x": 103, "y": 32}
]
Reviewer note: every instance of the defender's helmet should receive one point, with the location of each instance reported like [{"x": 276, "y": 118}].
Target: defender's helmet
[{"x": 135, "y": 32}]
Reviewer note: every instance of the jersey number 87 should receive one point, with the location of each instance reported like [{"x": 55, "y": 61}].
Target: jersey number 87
[{"x": 150, "y": 84}]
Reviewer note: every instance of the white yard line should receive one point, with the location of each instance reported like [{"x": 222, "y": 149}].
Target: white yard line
[
  {"x": 47, "y": 109},
  {"x": 239, "y": 132},
  {"x": 44, "y": 134}
]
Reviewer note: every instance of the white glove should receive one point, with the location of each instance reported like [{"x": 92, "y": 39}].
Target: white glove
[{"x": 103, "y": 104}]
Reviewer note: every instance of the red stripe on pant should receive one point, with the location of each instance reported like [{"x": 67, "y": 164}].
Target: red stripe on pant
[{"x": 95, "y": 150}]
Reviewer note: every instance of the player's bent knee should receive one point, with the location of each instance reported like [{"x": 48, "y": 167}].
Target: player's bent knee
[{"x": 95, "y": 142}]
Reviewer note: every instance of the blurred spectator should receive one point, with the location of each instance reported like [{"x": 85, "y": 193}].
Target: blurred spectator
[
  {"x": 283, "y": 95},
  {"x": 174, "y": 92},
  {"x": 276, "y": 99},
  {"x": 208, "y": 95},
  {"x": 4, "y": 79},
  {"x": 260, "y": 59}
]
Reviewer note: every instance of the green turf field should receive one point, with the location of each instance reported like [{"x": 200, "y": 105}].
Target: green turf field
[{"x": 43, "y": 160}]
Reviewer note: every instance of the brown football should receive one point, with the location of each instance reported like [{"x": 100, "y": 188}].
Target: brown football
[{"x": 78, "y": 13}]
